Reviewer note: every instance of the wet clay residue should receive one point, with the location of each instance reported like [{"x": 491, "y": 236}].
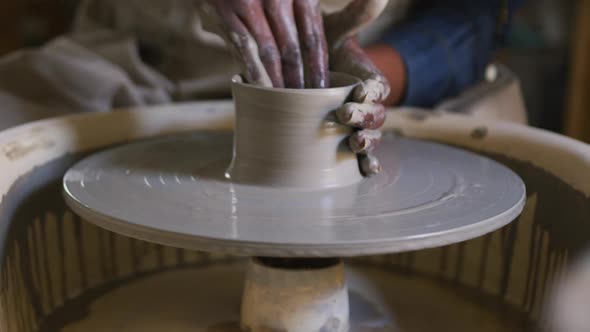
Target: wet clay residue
[
  {"x": 22, "y": 146},
  {"x": 333, "y": 324},
  {"x": 422, "y": 115},
  {"x": 479, "y": 133},
  {"x": 418, "y": 116},
  {"x": 396, "y": 132}
]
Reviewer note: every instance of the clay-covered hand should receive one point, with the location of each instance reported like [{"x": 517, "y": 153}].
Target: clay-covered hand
[
  {"x": 282, "y": 43},
  {"x": 366, "y": 111},
  {"x": 278, "y": 43}
]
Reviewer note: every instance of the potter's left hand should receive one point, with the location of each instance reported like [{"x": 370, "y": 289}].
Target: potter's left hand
[{"x": 365, "y": 112}]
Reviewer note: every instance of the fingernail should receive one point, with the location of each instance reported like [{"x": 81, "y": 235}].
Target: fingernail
[
  {"x": 361, "y": 93},
  {"x": 372, "y": 92},
  {"x": 372, "y": 97},
  {"x": 364, "y": 141},
  {"x": 370, "y": 165},
  {"x": 350, "y": 115},
  {"x": 357, "y": 143}
]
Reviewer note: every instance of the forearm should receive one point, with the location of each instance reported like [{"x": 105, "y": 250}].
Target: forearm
[
  {"x": 389, "y": 61},
  {"x": 440, "y": 50}
]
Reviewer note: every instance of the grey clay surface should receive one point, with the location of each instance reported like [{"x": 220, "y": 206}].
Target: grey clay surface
[
  {"x": 174, "y": 191},
  {"x": 290, "y": 138}
]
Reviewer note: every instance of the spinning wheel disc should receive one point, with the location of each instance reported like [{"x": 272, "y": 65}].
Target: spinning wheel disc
[{"x": 173, "y": 191}]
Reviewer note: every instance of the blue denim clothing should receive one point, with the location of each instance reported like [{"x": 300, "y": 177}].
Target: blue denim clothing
[{"x": 447, "y": 44}]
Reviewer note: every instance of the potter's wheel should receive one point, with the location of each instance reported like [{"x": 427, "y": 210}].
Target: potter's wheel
[
  {"x": 173, "y": 191},
  {"x": 294, "y": 199}
]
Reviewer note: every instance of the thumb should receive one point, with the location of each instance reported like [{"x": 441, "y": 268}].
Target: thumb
[{"x": 351, "y": 19}]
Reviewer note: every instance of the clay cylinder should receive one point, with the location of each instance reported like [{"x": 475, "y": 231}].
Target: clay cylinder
[
  {"x": 295, "y": 300},
  {"x": 290, "y": 137}
]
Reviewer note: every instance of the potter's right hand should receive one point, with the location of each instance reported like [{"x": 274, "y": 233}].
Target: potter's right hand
[
  {"x": 365, "y": 111},
  {"x": 264, "y": 37}
]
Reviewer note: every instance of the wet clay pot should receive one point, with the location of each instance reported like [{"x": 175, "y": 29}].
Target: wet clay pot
[{"x": 290, "y": 137}]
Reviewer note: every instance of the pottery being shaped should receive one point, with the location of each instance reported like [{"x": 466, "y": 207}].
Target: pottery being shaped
[{"x": 290, "y": 137}]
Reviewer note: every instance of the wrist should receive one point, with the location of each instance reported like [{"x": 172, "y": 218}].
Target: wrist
[{"x": 391, "y": 65}]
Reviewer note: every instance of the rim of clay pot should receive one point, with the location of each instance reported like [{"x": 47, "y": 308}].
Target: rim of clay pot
[{"x": 345, "y": 81}]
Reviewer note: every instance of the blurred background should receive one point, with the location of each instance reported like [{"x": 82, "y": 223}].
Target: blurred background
[{"x": 549, "y": 50}]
